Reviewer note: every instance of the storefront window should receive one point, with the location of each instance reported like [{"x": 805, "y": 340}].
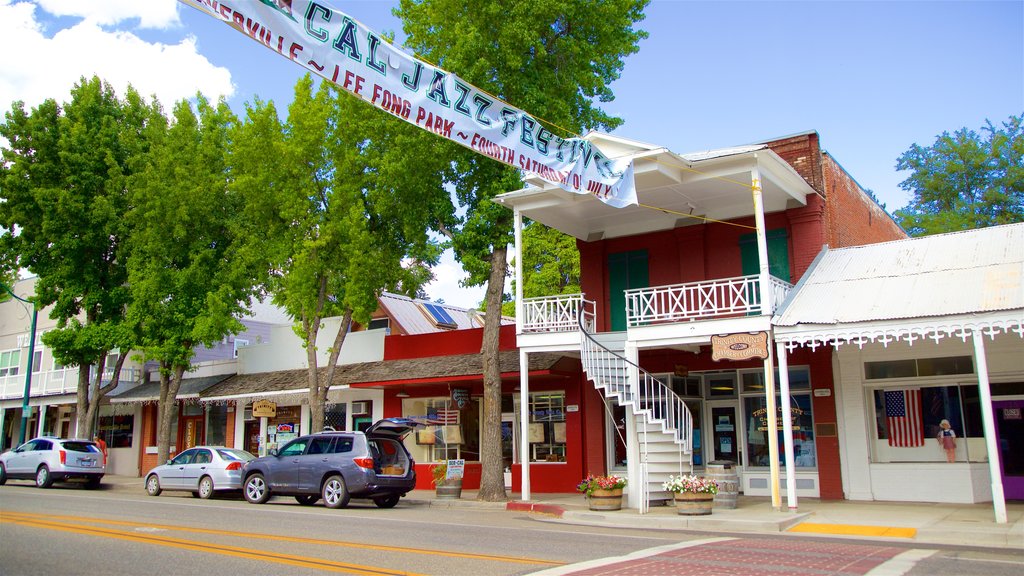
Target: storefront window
[
  {"x": 116, "y": 430},
  {"x": 451, "y": 434},
  {"x": 216, "y": 425},
  {"x": 756, "y": 416},
  {"x": 547, "y": 431},
  {"x": 958, "y": 404}
]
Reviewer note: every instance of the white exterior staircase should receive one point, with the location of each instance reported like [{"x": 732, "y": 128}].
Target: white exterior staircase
[{"x": 664, "y": 427}]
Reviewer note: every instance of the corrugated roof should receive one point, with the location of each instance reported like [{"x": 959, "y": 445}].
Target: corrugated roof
[
  {"x": 395, "y": 371},
  {"x": 150, "y": 391},
  {"x": 973, "y": 271},
  {"x": 409, "y": 314}
]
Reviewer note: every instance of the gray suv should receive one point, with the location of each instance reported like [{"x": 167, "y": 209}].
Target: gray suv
[{"x": 337, "y": 466}]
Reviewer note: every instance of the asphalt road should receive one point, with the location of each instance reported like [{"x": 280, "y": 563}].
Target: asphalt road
[{"x": 69, "y": 530}]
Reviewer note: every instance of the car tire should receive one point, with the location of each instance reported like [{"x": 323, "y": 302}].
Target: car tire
[
  {"x": 92, "y": 483},
  {"x": 334, "y": 492},
  {"x": 389, "y": 501},
  {"x": 153, "y": 485},
  {"x": 306, "y": 499},
  {"x": 43, "y": 477},
  {"x": 256, "y": 490},
  {"x": 3, "y": 475},
  {"x": 205, "y": 487}
]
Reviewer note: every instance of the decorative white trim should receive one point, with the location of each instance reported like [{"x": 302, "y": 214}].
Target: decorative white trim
[{"x": 910, "y": 330}]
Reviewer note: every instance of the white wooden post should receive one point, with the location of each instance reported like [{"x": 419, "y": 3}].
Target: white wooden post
[
  {"x": 239, "y": 424},
  {"x": 524, "y": 423},
  {"x": 518, "y": 217},
  {"x": 787, "y": 425},
  {"x": 988, "y": 423}
]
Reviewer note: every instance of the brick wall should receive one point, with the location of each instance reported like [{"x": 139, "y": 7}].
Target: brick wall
[{"x": 852, "y": 218}]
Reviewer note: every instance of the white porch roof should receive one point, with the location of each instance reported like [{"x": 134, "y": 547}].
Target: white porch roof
[
  {"x": 713, "y": 184},
  {"x": 931, "y": 287}
]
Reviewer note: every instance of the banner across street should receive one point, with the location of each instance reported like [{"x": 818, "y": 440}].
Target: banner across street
[{"x": 338, "y": 48}]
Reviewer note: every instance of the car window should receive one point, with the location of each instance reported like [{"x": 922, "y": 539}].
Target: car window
[
  {"x": 30, "y": 445},
  {"x": 294, "y": 448},
  {"x": 320, "y": 445},
  {"x": 344, "y": 444},
  {"x": 202, "y": 457},
  {"x": 184, "y": 458},
  {"x": 235, "y": 455},
  {"x": 43, "y": 445},
  {"x": 78, "y": 446}
]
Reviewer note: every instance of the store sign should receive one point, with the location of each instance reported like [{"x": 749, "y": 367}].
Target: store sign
[
  {"x": 739, "y": 346},
  {"x": 264, "y": 409},
  {"x": 286, "y": 428},
  {"x": 761, "y": 417},
  {"x": 456, "y": 469},
  {"x": 460, "y": 397}
]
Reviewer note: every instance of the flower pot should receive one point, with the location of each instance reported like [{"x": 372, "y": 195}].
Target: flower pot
[
  {"x": 449, "y": 490},
  {"x": 606, "y": 499},
  {"x": 694, "y": 503}
]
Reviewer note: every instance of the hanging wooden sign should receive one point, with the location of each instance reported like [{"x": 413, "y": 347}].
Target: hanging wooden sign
[
  {"x": 739, "y": 346},
  {"x": 264, "y": 409}
]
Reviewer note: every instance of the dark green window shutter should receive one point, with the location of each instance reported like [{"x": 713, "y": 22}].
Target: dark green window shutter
[
  {"x": 778, "y": 254},
  {"x": 626, "y": 270}
]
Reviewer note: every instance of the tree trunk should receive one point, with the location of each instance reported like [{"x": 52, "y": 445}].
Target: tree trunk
[
  {"x": 316, "y": 408},
  {"x": 169, "y": 385},
  {"x": 492, "y": 475},
  {"x": 318, "y": 401}
]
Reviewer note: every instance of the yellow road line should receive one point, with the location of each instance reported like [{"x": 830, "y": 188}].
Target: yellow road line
[
  {"x": 224, "y": 550},
  {"x": 855, "y": 530},
  {"x": 280, "y": 538}
]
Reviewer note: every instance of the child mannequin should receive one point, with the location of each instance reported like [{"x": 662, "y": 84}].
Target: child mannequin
[{"x": 947, "y": 439}]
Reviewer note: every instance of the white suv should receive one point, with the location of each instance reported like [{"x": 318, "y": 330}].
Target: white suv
[{"x": 49, "y": 459}]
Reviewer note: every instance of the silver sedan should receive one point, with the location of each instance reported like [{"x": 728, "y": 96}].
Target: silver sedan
[{"x": 202, "y": 471}]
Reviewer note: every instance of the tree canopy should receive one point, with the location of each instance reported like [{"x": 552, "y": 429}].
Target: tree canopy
[
  {"x": 554, "y": 59},
  {"x": 965, "y": 180},
  {"x": 551, "y": 264}
]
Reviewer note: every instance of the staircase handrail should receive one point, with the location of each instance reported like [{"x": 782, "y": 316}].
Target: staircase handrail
[{"x": 673, "y": 414}]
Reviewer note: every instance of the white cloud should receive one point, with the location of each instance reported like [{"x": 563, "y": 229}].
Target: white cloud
[
  {"x": 48, "y": 66},
  {"x": 445, "y": 286},
  {"x": 150, "y": 13}
]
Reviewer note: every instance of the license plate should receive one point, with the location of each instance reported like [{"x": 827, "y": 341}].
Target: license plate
[{"x": 87, "y": 463}]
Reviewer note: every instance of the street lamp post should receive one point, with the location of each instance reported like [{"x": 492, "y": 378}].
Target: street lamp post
[{"x": 28, "y": 368}]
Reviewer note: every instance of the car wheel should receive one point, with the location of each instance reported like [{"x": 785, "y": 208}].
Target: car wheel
[
  {"x": 205, "y": 487},
  {"x": 92, "y": 483},
  {"x": 43, "y": 478},
  {"x": 307, "y": 499},
  {"x": 388, "y": 501},
  {"x": 153, "y": 485},
  {"x": 256, "y": 490},
  {"x": 3, "y": 475},
  {"x": 334, "y": 492}
]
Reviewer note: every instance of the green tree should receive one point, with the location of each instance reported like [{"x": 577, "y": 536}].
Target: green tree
[
  {"x": 64, "y": 182},
  {"x": 554, "y": 59},
  {"x": 188, "y": 278},
  {"x": 330, "y": 203},
  {"x": 965, "y": 180},
  {"x": 551, "y": 264}
]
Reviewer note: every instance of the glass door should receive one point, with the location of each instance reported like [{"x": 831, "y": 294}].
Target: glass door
[
  {"x": 1010, "y": 438},
  {"x": 723, "y": 425}
]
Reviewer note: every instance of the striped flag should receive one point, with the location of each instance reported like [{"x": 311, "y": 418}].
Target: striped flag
[
  {"x": 444, "y": 416},
  {"x": 903, "y": 417}
]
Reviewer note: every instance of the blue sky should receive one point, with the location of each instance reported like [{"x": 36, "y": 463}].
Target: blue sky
[{"x": 872, "y": 78}]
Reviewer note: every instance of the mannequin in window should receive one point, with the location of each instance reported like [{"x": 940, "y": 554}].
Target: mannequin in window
[{"x": 947, "y": 439}]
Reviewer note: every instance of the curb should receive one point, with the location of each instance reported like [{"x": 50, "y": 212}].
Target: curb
[{"x": 549, "y": 509}]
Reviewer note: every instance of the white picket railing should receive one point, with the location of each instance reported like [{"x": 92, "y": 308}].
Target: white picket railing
[
  {"x": 51, "y": 382},
  {"x": 555, "y": 313},
  {"x": 704, "y": 300}
]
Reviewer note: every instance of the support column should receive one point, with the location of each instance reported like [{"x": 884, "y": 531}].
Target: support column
[
  {"x": 787, "y": 425},
  {"x": 305, "y": 420},
  {"x": 263, "y": 436},
  {"x": 767, "y": 306},
  {"x": 524, "y": 424},
  {"x": 3, "y": 437},
  {"x": 42, "y": 420},
  {"x": 518, "y": 258},
  {"x": 240, "y": 424},
  {"x": 988, "y": 423},
  {"x": 634, "y": 466}
]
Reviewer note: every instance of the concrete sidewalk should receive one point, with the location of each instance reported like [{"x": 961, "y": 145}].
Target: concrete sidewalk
[{"x": 946, "y": 524}]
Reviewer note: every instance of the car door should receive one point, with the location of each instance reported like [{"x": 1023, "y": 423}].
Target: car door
[
  {"x": 16, "y": 462},
  {"x": 284, "y": 469},
  {"x": 314, "y": 463},
  {"x": 173, "y": 478},
  {"x": 38, "y": 454},
  {"x": 196, "y": 468}
]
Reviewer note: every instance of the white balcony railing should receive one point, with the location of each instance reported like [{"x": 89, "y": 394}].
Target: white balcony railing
[
  {"x": 557, "y": 313},
  {"x": 50, "y": 382},
  {"x": 709, "y": 299}
]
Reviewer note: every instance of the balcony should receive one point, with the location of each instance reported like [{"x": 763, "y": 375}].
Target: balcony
[
  {"x": 737, "y": 297},
  {"x": 706, "y": 300},
  {"x": 53, "y": 382}
]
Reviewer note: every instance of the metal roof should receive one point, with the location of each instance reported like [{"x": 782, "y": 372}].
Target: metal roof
[
  {"x": 969, "y": 272},
  {"x": 410, "y": 315}
]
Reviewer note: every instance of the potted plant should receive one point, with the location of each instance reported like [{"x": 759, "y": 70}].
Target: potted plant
[
  {"x": 445, "y": 488},
  {"x": 694, "y": 495},
  {"x": 602, "y": 492}
]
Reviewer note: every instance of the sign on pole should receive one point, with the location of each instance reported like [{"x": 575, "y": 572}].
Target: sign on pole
[{"x": 338, "y": 48}]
